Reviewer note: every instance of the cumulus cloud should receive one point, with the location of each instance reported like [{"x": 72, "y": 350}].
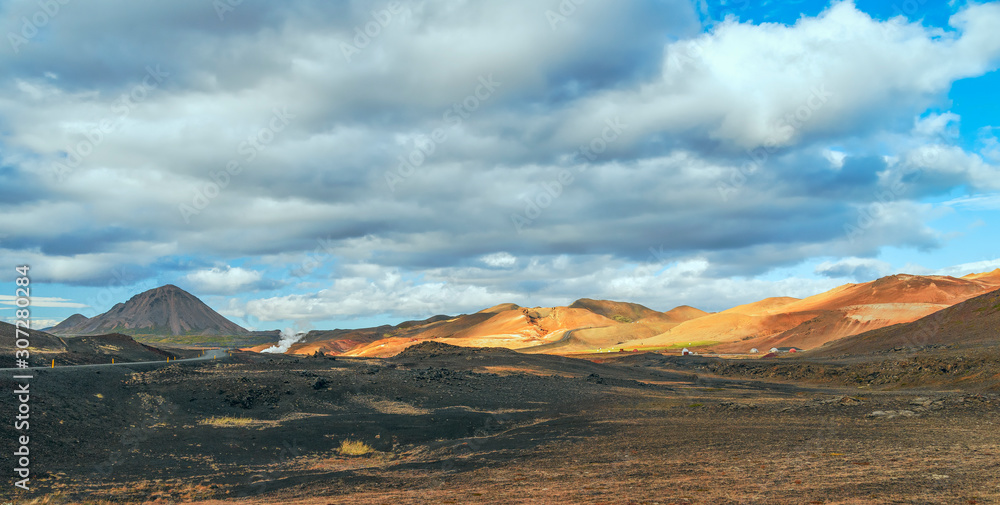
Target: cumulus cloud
[
  {"x": 750, "y": 85},
  {"x": 968, "y": 268},
  {"x": 499, "y": 260},
  {"x": 224, "y": 280},
  {"x": 742, "y": 148}
]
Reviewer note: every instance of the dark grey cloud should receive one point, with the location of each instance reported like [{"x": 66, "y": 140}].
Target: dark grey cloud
[{"x": 668, "y": 190}]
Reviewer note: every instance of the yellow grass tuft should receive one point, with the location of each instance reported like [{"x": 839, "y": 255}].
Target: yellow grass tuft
[
  {"x": 354, "y": 448},
  {"x": 227, "y": 421}
]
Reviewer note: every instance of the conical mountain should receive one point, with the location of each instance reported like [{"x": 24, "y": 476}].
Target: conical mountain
[
  {"x": 166, "y": 310},
  {"x": 70, "y": 322}
]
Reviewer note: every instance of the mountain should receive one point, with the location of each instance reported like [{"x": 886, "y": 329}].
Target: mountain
[
  {"x": 589, "y": 325},
  {"x": 584, "y": 325},
  {"x": 811, "y": 322},
  {"x": 972, "y": 323},
  {"x": 70, "y": 322},
  {"x": 166, "y": 310},
  {"x": 619, "y": 311}
]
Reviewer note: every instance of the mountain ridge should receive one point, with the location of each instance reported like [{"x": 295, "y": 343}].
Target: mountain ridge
[
  {"x": 166, "y": 310},
  {"x": 589, "y": 325}
]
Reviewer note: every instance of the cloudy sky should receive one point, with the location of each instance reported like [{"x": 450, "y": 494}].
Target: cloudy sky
[{"x": 344, "y": 164}]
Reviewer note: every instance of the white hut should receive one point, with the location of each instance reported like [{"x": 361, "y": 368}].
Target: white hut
[
  {"x": 774, "y": 349},
  {"x": 685, "y": 351},
  {"x": 754, "y": 351}
]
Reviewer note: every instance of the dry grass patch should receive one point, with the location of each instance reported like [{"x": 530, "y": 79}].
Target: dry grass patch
[
  {"x": 354, "y": 448},
  {"x": 389, "y": 406},
  {"x": 230, "y": 422}
]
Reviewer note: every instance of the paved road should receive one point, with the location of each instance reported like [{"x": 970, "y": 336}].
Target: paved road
[{"x": 209, "y": 354}]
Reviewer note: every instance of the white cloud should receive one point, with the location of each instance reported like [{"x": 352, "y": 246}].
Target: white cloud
[
  {"x": 224, "y": 280},
  {"x": 356, "y": 297},
  {"x": 559, "y": 281},
  {"x": 93, "y": 268},
  {"x": 499, "y": 260},
  {"x": 970, "y": 268},
  {"x": 937, "y": 125},
  {"x": 836, "y": 158},
  {"x": 979, "y": 202},
  {"x": 316, "y": 202},
  {"x": 753, "y": 85},
  {"x": 44, "y": 301}
]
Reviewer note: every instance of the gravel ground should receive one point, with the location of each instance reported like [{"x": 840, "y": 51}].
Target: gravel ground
[{"x": 448, "y": 425}]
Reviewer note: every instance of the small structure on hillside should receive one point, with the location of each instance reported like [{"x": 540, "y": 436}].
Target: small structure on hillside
[
  {"x": 685, "y": 352},
  {"x": 754, "y": 351},
  {"x": 774, "y": 349}
]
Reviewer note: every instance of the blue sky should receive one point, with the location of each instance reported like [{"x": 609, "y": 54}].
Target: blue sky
[{"x": 291, "y": 170}]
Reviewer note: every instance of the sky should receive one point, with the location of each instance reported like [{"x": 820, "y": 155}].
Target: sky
[{"x": 348, "y": 164}]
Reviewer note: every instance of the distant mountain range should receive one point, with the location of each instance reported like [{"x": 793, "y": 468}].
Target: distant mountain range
[
  {"x": 589, "y": 325},
  {"x": 166, "y": 310}
]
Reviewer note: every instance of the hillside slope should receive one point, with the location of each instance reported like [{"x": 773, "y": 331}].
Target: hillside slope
[
  {"x": 166, "y": 310},
  {"x": 45, "y": 347},
  {"x": 811, "y": 322},
  {"x": 585, "y": 324},
  {"x": 970, "y": 324}
]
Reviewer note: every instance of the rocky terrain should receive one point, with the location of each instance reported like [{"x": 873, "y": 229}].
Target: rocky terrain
[
  {"x": 94, "y": 349},
  {"x": 443, "y": 424},
  {"x": 903, "y": 413}
]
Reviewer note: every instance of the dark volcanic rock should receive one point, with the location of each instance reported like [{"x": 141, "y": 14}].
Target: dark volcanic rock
[{"x": 435, "y": 349}]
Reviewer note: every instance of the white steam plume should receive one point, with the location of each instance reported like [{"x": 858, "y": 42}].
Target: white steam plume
[{"x": 288, "y": 337}]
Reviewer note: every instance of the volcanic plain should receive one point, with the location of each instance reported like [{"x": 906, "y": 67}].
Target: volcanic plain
[{"x": 445, "y": 424}]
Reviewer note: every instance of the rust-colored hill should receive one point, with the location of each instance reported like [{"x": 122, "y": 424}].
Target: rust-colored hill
[
  {"x": 969, "y": 324},
  {"x": 589, "y": 325},
  {"x": 166, "y": 310},
  {"x": 620, "y": 311},
  {"x": 811, "y": 322},
  {"x": 900, "y": 288},
  {"x": 584, "y": 325}
]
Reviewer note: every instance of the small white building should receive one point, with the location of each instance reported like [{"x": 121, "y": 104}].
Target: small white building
[
  {"x": 685, "y": 352},
  {"x": 754, "y": 351},
  {"x": 774, "y": 349}
]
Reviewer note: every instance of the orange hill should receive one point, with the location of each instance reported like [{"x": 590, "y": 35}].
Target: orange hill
[
  {"x": 589, "y": 325},
  {"x": 507, "y": 325},
  {"x": 972, "y": 323},
  {"x": 847, "y": 310}
]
